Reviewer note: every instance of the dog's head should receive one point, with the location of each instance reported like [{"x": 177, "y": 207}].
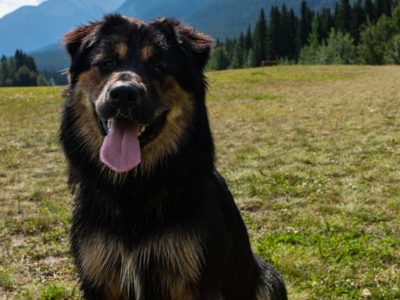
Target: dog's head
[{"x": 132, "y": 87}]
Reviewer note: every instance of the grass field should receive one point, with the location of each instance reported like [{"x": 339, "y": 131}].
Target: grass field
[{"x": 311, "y": 154}]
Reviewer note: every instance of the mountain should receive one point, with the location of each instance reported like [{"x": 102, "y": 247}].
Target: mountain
[
  {"x": 32, "y": 27},
  {"x": 51, "y": 58},
  {"x": 219, "y": 18},
  {"x": 147, "y": 10},
  {"x": 228, "y": 18}
]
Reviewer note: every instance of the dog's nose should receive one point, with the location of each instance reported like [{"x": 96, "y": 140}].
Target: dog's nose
[{"x": 125, "y": 94}]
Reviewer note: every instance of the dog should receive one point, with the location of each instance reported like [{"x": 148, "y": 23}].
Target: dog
[{"x": 152, "y": 219}]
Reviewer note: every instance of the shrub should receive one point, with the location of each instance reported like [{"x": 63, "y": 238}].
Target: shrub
[{"x": 339, "y": 49}]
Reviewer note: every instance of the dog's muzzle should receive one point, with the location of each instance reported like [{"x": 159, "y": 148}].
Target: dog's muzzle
[{"x": 128, "y": 100}]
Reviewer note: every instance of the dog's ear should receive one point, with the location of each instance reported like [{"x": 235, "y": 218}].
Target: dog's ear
[
  {"x": 195, "y": 44},
  {"x": 74, "y": 39},
  {"x": 78, "y": 43},
  {"x": 199, "y": 43}
]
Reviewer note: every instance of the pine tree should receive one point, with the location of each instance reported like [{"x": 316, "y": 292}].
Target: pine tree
[
  {"x": 19, "y": 59},
  {"x": 379, "y": 7},
  {"x": 2, "y": 76},
  {"x": 30, "y": 63},
  {"x": 309, "y": 53},
  {"x": 357, "y": 20},
  {"x": 377, "y": 39},
  {"x": 293, "y": 24},
  {"x": 388, "y": 6},
  {"x": 284, "y": 41},
  {"x": 326, "y": 22},
  {"x": 4, "y": 68},
  {"x": 343, "y": 16},
  {"x": 248, "y": 40},
  {"x": 229, "y": 47},
  {"x": 25, "y": 77},
  {"x": 313, "y": 39},
  {"x": 19, "y": 70},
  {"x": 238, "y": 58},
  {"x": 41, "y": 81},
  {"x": 260, "y": 38},
  {"x": 218, "y": 59},
  {"x": 242, "y": 41},
  {"x": 251, "y": 59},
  {"x": 370, "y": 11},
  {"x": 394, "y": 53},
  {"x": 383, "y": 7},
  {"x": 305, "y": 23},
  {"x": 275, "y": 34}
]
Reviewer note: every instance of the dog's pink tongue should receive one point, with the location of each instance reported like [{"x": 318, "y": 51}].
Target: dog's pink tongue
[{"x": 120, "y": 150}]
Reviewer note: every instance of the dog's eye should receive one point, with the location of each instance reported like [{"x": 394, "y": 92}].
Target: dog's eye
[
  {"x": 107, "y": 65},
  {"x": 157, "y": 68}
]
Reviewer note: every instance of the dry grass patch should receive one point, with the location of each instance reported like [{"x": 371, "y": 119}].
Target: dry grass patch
[
  {"x": 311, "y": 155},
  {"x": 315, "y": 172}
]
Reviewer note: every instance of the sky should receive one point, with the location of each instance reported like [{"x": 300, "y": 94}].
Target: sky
[{"x": 7, "y": 6}]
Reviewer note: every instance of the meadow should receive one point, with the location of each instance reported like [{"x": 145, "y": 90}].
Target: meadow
[{"x": 311, "y": 154}]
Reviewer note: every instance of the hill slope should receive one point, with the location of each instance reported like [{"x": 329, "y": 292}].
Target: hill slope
[
  {"x": 148, "y": 10},
  {"x": 34, "y": 27},
  {"x": 51, "y": 58},
  {"x": 37, "y": 27},
  {"x": 219, "y": 18}
]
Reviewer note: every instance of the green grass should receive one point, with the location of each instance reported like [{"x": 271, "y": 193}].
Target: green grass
[{"x": 311, "y": 155}]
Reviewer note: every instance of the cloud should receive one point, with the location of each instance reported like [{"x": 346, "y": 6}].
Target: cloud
[{"x": 7, "y": 6}]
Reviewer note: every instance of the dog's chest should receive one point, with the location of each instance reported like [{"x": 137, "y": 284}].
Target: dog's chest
[{"x": 173, "y": 259}]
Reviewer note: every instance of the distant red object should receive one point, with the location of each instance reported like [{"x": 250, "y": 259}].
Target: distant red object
[{"x": 269, "y": 63}]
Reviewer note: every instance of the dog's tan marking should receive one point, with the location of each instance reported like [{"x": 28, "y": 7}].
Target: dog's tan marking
[
  {"x": 146, "y": 52},
  {"x": 113, "y": 290},
  {"x": 96, "y": 256},
  {"x": 101, "y": 263},
  {"x": 106, "y": 261},
  {"x": 86, "y": 126},
  {"x": 181, "y": 291},
  {"x": 181, "y": 256},
  {"x": 99, "y": 57},
  {"x": 178, "y": 120},
  {"x": 90, "y": 80},
  {"x": 122, "y": 50},
  {"x": 179, "y": 253}
]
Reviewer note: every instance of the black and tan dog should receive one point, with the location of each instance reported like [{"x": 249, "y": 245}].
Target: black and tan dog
[{"x": 153, "y": 219}]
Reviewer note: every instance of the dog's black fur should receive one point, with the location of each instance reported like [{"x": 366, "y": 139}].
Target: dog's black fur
[{"x": 168, "y": 229}]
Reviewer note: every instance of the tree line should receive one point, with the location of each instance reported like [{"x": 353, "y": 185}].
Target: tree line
[
  {"x": 361, "y": 32},
  {"x": 21, "y": 70}
]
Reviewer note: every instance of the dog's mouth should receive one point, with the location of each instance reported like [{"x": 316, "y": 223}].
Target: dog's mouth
[{"x": 124, "y": 139}]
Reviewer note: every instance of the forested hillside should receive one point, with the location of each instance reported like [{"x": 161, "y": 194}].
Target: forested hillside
[
  {"x": 19, "y": 70},
  {"x": 288, "y": 32},
  {"x": 219, "y": 18},
  {"x": 363, "y": 32}
]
